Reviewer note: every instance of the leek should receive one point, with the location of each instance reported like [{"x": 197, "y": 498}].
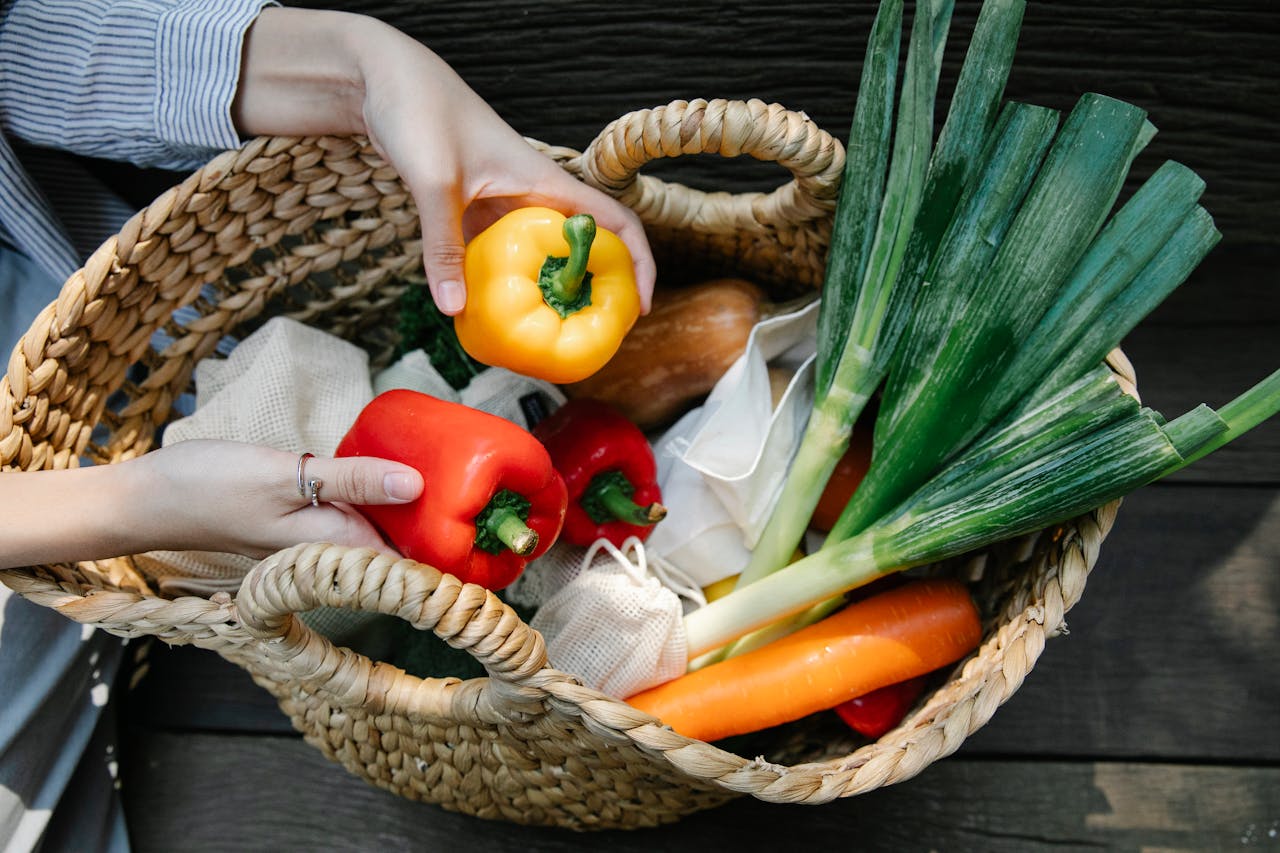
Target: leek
[
  {"x": 986, "y": 316},
  {"x": 1242, "y": 414},
  {"x": 1146, "y": 227},
  {"x": 871, "y": 276},
  {"x": 1032, "y": 474},
  {"x": 861, "y": 189},
  {"x": 1091, "y": 341},
  {"x": 1020, "y": 141},
  {"x": 936, "y": 404},
  {"x": 959, "y": 152},
  {"x": 945, "y": 519},
  {"x": 1090, "y": 403},
  {"x": 1102, "y": 466}
]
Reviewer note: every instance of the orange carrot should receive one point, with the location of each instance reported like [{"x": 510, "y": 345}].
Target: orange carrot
[{"x": 898, "y": 634}]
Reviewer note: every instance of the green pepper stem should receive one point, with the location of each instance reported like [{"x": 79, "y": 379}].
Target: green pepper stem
[
  {"x": 580, "y": 231},
  {"x": 610, "y": 494},
  {"x": 506, "y": 524}
]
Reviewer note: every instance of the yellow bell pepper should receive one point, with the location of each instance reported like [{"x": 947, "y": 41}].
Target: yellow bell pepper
[{"x": 547, "y": 297}]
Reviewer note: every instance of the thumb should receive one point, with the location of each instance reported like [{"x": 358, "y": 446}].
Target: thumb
[
  {"x": 443, "y": 253},
  {"x": 364, "y": 480}
]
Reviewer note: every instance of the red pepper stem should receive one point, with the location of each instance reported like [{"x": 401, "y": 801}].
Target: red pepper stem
[
  {"x": 614, "y": 498},
  {"x": 511, "y": 530},
  {"x": 580, "y": 232}
]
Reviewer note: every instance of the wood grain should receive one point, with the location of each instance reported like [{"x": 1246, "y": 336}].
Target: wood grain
[
  {"x": 562, "y": 71},
  {"x": 1171, "y": 652},
  {"x": 273, "y": 793}
]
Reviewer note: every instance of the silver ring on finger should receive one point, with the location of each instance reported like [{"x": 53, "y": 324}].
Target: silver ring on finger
[{"x": 308, "y": 487}]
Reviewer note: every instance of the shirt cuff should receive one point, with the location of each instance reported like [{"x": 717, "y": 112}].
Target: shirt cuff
[{"x": 198, "y": 57}]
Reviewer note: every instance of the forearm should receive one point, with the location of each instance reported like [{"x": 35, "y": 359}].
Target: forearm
[
  {"x": 301, "y": 72},
  {"x": 76, "y": 514},
  {"x": 193, "y": 495}
]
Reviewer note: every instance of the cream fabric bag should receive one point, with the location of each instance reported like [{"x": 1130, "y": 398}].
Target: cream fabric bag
[
  {"x": 496, "y": 390},
  {"x": 611, "y": 616},
  {"x": 722, "y": 465}
]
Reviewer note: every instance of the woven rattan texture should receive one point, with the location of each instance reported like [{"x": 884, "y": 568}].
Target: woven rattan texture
[{"x": 321, "y": 229}]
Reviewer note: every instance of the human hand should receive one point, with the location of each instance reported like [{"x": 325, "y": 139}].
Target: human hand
[
  {"x": 308, "y": 71},
  {"x": 229, "y": 496},
  {"x": 466, "y": 178}
]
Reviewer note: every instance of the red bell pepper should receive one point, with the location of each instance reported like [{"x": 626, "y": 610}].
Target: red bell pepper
[
  {"x": 492, "y": 501},
  {"x": 609, "y": 469},
  {"x": 872, "y": 714}
]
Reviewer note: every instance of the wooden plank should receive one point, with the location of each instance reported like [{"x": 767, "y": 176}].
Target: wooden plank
[
  {"x": 1171, "y": 651},
  {"x": 562, "y": 71},
  {"x": 226, "y": 792},
  {"x": 1170, "y": 655},
  {"x": 1213, "y": 338}
]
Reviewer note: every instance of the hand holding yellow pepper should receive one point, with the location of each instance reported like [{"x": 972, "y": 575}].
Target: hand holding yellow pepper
[{"x": 547, "y": 296}]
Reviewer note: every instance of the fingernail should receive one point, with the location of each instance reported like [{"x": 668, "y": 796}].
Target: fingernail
[
  {"x": 401, "y": 487},
  {"x": 451, "y": 296}
]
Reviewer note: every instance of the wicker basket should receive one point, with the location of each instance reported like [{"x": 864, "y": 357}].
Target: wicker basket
[{"x": 322, "y": 230}]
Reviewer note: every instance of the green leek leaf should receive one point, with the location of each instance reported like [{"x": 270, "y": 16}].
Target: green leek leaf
[{"x": 1077, "y": 186}]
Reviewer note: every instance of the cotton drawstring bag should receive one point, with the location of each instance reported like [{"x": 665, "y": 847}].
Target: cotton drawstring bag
[
  {"x": 496, "y": 390},
  {"x": 611, "y": 615}
]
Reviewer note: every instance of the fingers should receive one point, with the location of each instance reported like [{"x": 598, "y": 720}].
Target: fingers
[
  {"x": 444, "y": 215},
  {"x": 338, "y": 524},
  {"x": 642, "y": 258},
  {"x": 443, "y": 249},
  {"x": 363, "y": 480}
]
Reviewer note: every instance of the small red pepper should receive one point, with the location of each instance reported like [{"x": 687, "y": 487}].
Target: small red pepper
[
  {"x": 872, "y": 714},
  {"x": 844, "y": 480},
  {"x": 609, "y": 469},
  {"x": 492, "y": 502}
]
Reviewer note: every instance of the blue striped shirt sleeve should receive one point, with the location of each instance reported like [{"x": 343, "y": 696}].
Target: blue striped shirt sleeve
[{"x": 146, "y": 81}]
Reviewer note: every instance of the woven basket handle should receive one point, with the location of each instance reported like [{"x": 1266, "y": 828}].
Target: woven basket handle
[
  {"x": 728, "y": 128},
  {"x": 464, "y": 615}
]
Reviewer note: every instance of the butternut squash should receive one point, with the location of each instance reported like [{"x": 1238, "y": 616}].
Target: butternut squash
[{"x": 675, "y": 354}]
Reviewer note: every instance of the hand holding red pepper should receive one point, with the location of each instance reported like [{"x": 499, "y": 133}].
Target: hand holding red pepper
[
  {"x": 492, "y": 499},
  {"x": 609, "y": 469}
]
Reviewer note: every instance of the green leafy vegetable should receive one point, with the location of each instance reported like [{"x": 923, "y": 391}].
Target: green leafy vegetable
[
  {"x": 986, "y": 311},
  {"x": 1042, "y": 479},
  {"x": 860, "y": 314},
  {"x": 422, "y": 326}
]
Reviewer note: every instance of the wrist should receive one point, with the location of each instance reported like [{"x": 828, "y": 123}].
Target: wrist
[
  {"x": 171, "y": 489},
  {"x": 301, "y": 73}
]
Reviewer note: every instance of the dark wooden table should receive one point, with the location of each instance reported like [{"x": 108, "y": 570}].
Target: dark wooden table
[{"x": 1152, "y": 725}]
